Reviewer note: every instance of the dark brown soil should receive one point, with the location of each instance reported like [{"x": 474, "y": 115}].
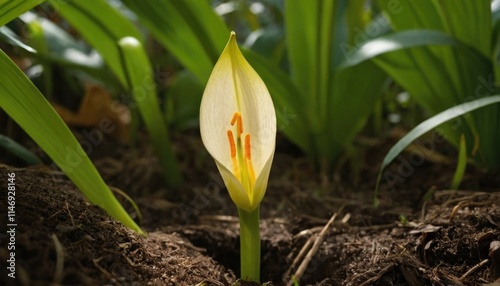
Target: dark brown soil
[{"x": 421, "y": 234}]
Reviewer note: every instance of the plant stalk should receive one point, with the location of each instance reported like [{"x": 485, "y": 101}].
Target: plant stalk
[{"x": 249, "y": 245}]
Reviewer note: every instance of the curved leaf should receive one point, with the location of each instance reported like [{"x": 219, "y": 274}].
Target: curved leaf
[
  {"x": 19, "y": 150},
  {"x": 268, "y": 42},
  {"x": 22, "y": 101},
  {"x": 105, "y": 28},
  {"x": 102, "y": 26},
  {"x": 439, "y": 71},
  {"x": 396, "y": 42},
  {"x": 14, "y": 40},
  {"x": 10, "y": 9},
  {"x": 439, "y": 77},
  {"x": 189, "y": 29},
  {"x": 432, "y": 123},
  {"x": 140, "y": 83},
  {"x": 461, "y": 164},
  {"x": 470, "y": 22}
]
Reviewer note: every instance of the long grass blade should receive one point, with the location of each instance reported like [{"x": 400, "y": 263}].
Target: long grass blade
[
  {"x": 140, "y": 82},
  {"x": 309, "y": 38},
  {"x": 189, "y": 29},
  {"x": 10, "y": 37},
  {"x": 65, "y": 51},
  {"x": 461, "y": 164},
  {"x": 198, "y": 40},
  {"x": 396, "y": 42},
  {"x": 19, "y": 150},
  {"x": 432, "y": 123},
  {"x": 10, "y": 9},
  {"x": 101, "y": 26},
  {"x": 441, "y": 77},
  {"x": 20, "y": 99},
  {"x": 104, "y": 27}
]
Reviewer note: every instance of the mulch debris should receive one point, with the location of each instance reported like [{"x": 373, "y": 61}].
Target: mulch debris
[{"x": 417, "y": 236}]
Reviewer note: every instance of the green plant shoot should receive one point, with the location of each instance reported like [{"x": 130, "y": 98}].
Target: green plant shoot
[
  {"x": 238, "y": 128},
  {"x": 461, "y": 164}
]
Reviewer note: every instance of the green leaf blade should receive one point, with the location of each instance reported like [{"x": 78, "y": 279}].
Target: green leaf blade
[
  {"x": 141, "y": 83},
  {"x": 396, "y": 42},
  {"x": 26, "y": 105},
  {"x": 461, "y": 164},
  {"x": 102, "y": 26},
  {"x": 432, "y": 123},
  {"x": 18, "y": 150},
  {"x": 286, "y": 98},
  {"x": 11, "y": 9},
  {"x": 192, "y": 32}
]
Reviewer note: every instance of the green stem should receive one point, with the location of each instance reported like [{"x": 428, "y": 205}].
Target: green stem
[{"x": 250, "y": 245}]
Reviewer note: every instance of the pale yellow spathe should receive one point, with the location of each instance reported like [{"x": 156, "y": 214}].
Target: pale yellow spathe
[{"x": 234, "y": 86}]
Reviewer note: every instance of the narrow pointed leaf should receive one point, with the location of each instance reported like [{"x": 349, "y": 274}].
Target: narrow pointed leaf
[
  {"x": 432, "y": 123},
  {"x": 461, "y": 164},
  {"x": 14, "y": 40},
  {"x": 439, "y": 77},
  {"x": 64, "y": 50},
  {"x": 102, "y": 26},
  {"x": 141, "y": 84},
  {"x": 19, "y": 150},
  {"x": 396, "y": 42},
  {"x": 352, "y": 98},
  {"x": 20, "y": 99},
  {"x": 10, "y": 9},
  {"x": 192, "y": 32},
  {"x": 451, "y": 18},
  {"x": 309, "y": 44}
]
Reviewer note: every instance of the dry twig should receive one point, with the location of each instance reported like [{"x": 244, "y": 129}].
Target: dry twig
[
  {"x": 317, "y": 242},
  {"x": 58, "y": 272},
  {"x": 474, "y": 269}
]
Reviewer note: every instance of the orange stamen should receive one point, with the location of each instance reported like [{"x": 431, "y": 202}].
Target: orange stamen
[
  {"x": 241, "y": 153},
  {"x": 248, "y": 159},
  {"x": 248, "y": 148},
  {"x": 232, "y": 146},
  {"x": 239, "y": 121}
]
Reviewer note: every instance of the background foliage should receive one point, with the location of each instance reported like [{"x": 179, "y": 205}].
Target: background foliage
[{"x": 329, "y": 65}]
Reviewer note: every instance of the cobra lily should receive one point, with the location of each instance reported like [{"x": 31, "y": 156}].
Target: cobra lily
[{"x": 238, "y": 126}]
